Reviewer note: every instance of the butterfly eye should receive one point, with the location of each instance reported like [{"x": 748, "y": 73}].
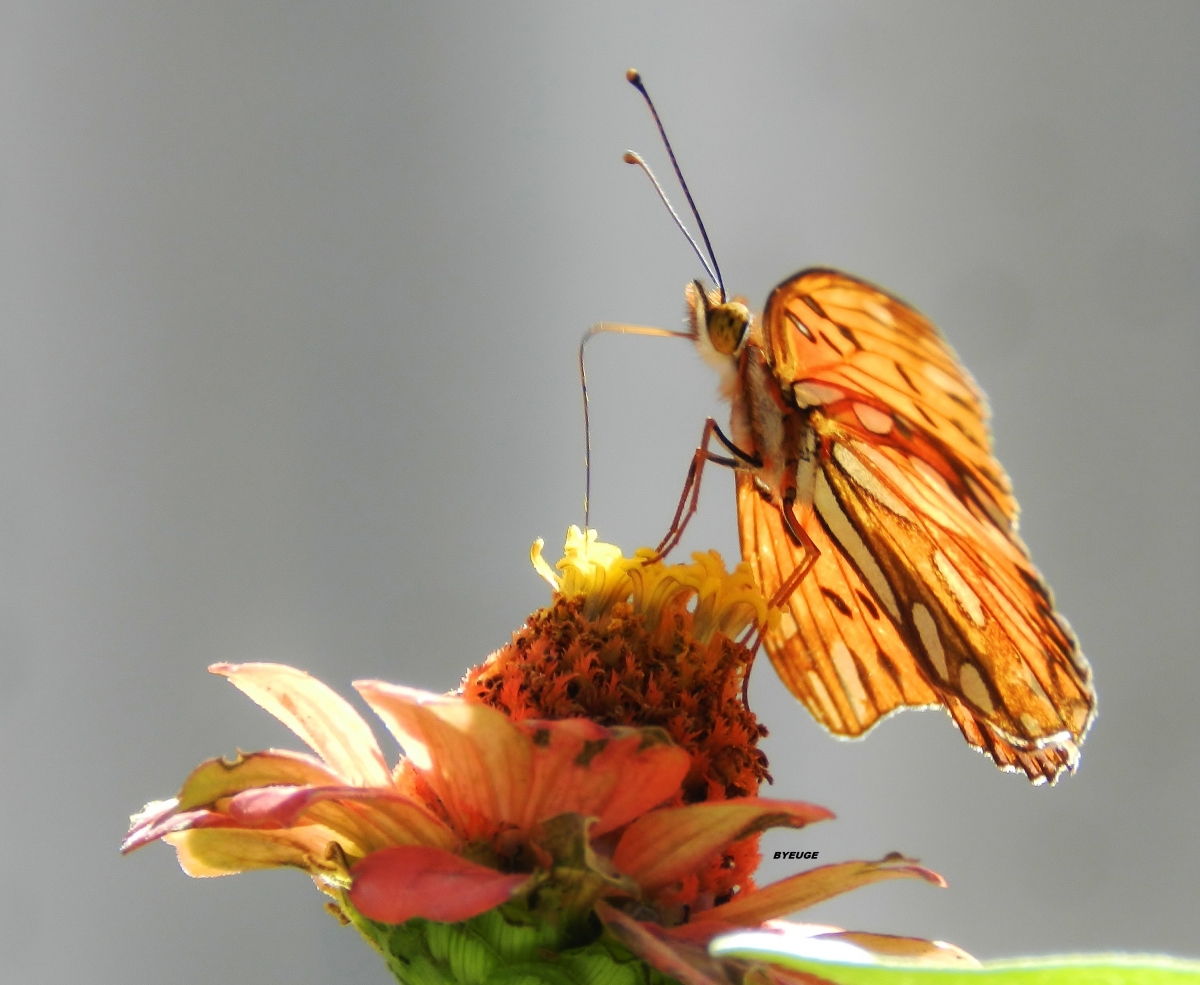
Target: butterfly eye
[{"x": 727, "y": 324}]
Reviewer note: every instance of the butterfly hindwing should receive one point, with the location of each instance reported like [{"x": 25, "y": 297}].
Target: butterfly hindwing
[
  {"x": 979, "y": 623},
  {"x": 834, "y": 647}
]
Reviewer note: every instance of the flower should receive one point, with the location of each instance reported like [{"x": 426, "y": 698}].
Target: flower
[
  {"x": 600, "y": 771},
  {"x": 634, "y": 641},
  {"x": 479, "y": 809}
]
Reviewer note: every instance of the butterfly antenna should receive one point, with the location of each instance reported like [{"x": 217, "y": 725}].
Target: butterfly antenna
[
  {"x": 632, "y": 158},
  {"x": 635, "y": 79},
  {"x": 604, "y": 328}
]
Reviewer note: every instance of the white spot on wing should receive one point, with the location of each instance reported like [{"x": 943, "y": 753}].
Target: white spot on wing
[
  {"x": 959, "y": 588},
  {"x": 873, "y": 420},
  {"x": 847, "y": 537},
  {"x": 811, "y": 394},
  {"x": 828, "y": 708},
  {"x": 847, "y": 673},
  {"x": 947, "y": 382},
  {"x": 989, "y": 505},
  {"x": 800, "y": 326},
  {"x": 971, "y": 682},
  {"x": 862, "y": 477},
  {"x": 930, "y": 640},
  {"x": 806, "y": 470}
]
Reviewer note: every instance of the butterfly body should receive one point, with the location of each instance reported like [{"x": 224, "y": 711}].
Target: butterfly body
[{"x": 874, "y": 515}]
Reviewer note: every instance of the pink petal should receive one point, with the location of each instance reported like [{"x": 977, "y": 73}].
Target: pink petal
[
  {"x": 320, "y": 716},
  {"x": 222, "y": 778},
  {"x": 662, "y": 846},
  {"x": 370, "y": 819},
  {"x": 473, "y": 757},
  {"x": 151, "y": 825},
  {"x": 146, "y": 820},
  {"x": 613, "y": 775},
  {"x": 806, "y": 889},
  {"x": 397, "y": 884}
]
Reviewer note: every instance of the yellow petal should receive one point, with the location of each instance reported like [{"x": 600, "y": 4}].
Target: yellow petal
[
  {"x": 320, "y": 716},
  {"x": 222, "y": 777},
  {"x": 206, "y": 852}
]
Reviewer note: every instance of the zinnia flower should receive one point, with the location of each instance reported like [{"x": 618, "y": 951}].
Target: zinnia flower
[
  {"x": 634, "y": 641},
  {"x": 601, "y": 765},
  {"x": 478, "y": 800}
]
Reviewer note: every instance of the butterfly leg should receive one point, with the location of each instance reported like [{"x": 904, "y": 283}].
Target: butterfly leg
[
  {"x": 689, "y": 501},
  {"x": 752, "y": 642},
  {"x": 811, "y": 553}
]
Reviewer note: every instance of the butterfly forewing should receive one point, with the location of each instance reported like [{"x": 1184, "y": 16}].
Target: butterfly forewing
[
  {"x": 923, "y": 594},
  {"x": 822, "y": 326}
]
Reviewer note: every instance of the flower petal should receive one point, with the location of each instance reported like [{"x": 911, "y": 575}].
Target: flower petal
[
  {"x": 664, "y": 845},
  {"x": 223, "y": 778},
  {"x": 371, "y": 819},
  {"x": 928, "y": 953},
  {"x": 206, "y": 852},
  {"x": 613, "y": 775},
  {"x": 316, "y": 713},
  {"x": 397, "y": 884},
  {"x": 673, "y": 958},
  {"x": 169, "y": 824},
  {"x": 814, "y": 886},
  {"x": 476, "y": 760},
  {"x": 144, "y": 823},
  {"x": 796, "y": 947}
]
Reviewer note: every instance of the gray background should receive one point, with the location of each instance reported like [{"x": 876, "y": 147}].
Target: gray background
[{"x": 290, "y": 295}]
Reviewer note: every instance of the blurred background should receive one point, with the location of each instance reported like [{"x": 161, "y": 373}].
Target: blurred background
[{"x": 290, "y": 295}]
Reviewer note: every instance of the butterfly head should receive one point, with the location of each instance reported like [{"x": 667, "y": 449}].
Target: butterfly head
[{"x": 720, "y": 328}]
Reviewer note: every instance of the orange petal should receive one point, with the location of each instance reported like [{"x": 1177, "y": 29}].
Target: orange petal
[
  {"x": 222, "y": 777},
  {"x": 224, "y": 851},
  {"x": 814, "y": 886},
  {"x": 473, "y": 757},
  {"x": 664, "y": 845},
  {"x": 320, "y": 716},
  {"x": 397, "y": 884},
  {"x": 613, "y": 775}
]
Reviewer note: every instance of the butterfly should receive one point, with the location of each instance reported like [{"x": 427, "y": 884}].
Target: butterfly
[{"x": 876, "y": 518}]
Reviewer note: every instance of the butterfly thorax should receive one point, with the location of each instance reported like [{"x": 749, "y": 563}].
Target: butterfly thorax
[{"x": 765, "y": 423}]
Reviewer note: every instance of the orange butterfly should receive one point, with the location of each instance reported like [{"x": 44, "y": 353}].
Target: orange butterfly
[{"x": 873, "y": 514}]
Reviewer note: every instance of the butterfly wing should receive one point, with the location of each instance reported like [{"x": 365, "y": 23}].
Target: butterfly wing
[
  {"x": 923, "y": 594},
  {"x": 827, "y": 329}
]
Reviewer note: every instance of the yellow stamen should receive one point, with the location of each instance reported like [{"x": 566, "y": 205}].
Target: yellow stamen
[{"x": 722, "y": 602}]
